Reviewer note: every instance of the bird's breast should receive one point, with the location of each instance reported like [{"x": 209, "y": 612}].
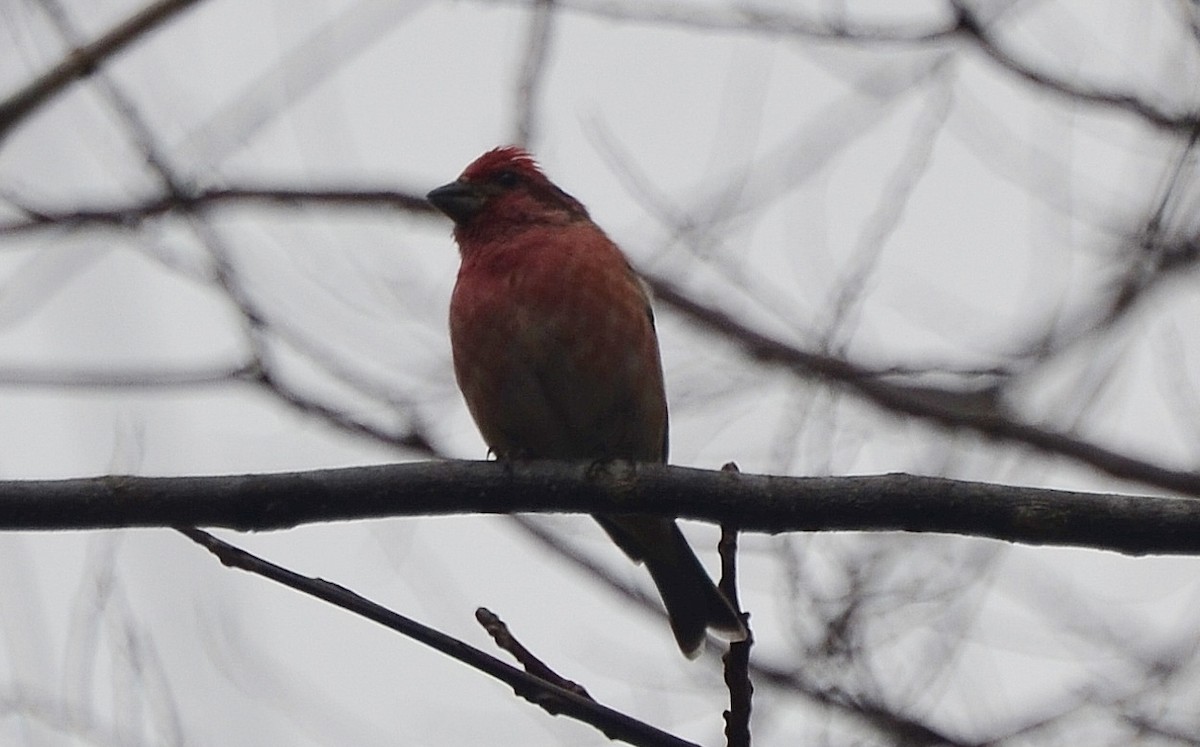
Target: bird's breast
[{"x": 556, "y": 355}]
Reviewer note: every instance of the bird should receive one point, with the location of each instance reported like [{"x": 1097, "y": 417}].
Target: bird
[{"x": 556, "y": 354}]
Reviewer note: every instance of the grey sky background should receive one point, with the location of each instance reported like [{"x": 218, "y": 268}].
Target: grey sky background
[{"x": 849, "y": 176}]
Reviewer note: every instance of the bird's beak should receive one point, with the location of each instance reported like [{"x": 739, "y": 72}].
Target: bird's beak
[{"x": 459, "y": 200}]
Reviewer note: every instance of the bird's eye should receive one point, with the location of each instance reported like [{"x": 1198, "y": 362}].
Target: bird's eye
[{"x": 507, "y": 178}]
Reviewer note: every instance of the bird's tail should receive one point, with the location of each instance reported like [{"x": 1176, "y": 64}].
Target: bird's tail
[{"x": 694, "y": 604}]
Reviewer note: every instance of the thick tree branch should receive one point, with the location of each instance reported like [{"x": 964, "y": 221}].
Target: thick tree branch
[{"x": 1135, "y": 525}]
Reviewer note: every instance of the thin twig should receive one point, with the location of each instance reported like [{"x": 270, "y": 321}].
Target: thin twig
[
  {"x": 80, "y": 62},
  {"x": 737, "y": 659},
  {"x": 130, "y": 215},
  {"x": 504, "y": 638},
  {"x": 613, "y": 724},
  {"x": 970, "y": 25}
]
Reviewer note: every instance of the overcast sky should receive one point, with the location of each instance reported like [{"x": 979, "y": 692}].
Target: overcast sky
[{"x": 906, "y": 203}]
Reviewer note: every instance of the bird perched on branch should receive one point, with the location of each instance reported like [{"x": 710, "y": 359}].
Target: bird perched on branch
[{"x": 556, "y": 355}]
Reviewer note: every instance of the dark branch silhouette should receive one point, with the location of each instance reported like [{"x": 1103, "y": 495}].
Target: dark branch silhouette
[
  {"x": 753, "y": 503},
  {"x": 736, "y": 660},
  {"x": 131, "y": 214},
  {"x": 549, "y": 696},
  {"x": 505, "y": 640},
  {"x": 922, "y": 402},
  {"x": 80, "y": 62},
  {"x": 971, "y": 25}
]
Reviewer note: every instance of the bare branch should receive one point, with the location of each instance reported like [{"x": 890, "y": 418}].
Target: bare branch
[
  {"x": 973, "y": 27},
  {"x": 498, "y": 630},
  {"x": 413, "y": 439},
  {"x": 918, "y": 402},
  {"x": 533, "y": 70},
  {"x": 131, "y": 214},
  {"x": 1128, "y": 524},
  {"x": 614, "y": 724},
  {"x": 737, "y": 659},
  {"x": 80, "y": 62}
]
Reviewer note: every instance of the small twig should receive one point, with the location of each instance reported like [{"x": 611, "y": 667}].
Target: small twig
[
  {"x": 551, "y": 697},
  {"x": 131, "y": 214},
  {"x": 504, "y": 638},
  {"x": 973, "y": 27},
  {"x": 78, "y": 63},
  {"x": 737, "y": 659},
  {"x": 412, "y": 438}
]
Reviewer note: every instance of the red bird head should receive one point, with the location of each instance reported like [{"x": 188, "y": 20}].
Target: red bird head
[{"x": 504, "y": 190}]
